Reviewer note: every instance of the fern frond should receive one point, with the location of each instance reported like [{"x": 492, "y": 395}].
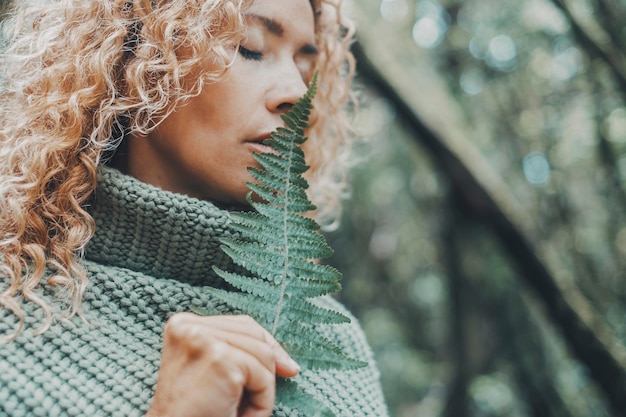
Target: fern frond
[
  {"x": 288, "y": 393},
  {"x": 277, "y": 245}
]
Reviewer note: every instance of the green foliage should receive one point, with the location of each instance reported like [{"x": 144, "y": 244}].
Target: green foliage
[{"x": 277, "y": 246}]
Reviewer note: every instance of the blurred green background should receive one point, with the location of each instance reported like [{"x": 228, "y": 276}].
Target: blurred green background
[{"x": 484, "y": 248}]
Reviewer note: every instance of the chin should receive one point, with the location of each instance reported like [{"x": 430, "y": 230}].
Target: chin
[{"x": 236, "y": 201}]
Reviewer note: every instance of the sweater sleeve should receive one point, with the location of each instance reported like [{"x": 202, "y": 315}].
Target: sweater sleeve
[{"x": 352, "y": 393}]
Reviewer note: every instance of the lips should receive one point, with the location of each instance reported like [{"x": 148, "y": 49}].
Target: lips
[{"x": 257, "y": 145}]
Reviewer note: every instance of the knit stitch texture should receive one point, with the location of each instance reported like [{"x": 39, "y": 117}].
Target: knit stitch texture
[{"x": 152, "y": 253}]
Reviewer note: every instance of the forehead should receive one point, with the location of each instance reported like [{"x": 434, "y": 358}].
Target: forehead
[{"x": 295, "y": 17}]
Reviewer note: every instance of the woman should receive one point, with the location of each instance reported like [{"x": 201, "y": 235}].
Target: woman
[{"x": 101, "y": 265}]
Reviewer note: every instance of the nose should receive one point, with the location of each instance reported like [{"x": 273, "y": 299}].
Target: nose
[{"x": 287, "y": 88}]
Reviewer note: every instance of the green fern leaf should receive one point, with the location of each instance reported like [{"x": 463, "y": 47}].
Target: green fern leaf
[
  {"x": 291, "y": 395},
  {"x": 277, "y": 245}
]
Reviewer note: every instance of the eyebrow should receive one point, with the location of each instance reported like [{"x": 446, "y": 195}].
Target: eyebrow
[
  {"x": 270, "y": 24},
  {"x": 274, "y": 27}
]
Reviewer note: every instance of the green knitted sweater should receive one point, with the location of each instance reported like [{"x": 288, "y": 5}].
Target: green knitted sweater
[{"x": 152, "y": 253}]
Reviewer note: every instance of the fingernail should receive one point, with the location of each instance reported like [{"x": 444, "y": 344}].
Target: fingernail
[
  {"x": 287, "y": 361},
  {"x": 294, "y": 365}
]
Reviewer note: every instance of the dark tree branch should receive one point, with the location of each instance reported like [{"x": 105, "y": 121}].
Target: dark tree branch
[
  {"x": 611, "y": 15},
  {"x": 533, "y": 372},
  {"x": 584, "y": 331},
  {"x": 457, "y": 400},
  {"x": 606, "y": 153},
  {"x": 612, "y": 58}
]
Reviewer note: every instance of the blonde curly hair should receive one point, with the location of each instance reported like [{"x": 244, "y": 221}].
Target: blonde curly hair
[{"x": 72, "y": 70}]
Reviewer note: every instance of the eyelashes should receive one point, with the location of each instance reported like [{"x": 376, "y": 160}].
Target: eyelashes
[
  {"x": 305, "y": 67},
  {"x": 251, "y": 55}
]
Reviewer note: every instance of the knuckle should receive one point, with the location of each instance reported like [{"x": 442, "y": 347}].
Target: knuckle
[
  {"x": 174, "y": 328},
  {"x": 183, "y": 332},
  {"x": 177, "y": 322},
  {"x": 218, "y": 352},
  {"x": 213, "y": 354},
  {"x": 235, "y": 378},
  {"x": 224, "y": 362}
]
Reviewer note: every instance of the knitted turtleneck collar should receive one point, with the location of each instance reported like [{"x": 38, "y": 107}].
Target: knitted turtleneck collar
[{"x": 156, "y": 232}]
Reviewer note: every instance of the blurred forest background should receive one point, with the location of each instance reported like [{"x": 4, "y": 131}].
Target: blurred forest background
[{"x": 484, "y": 248}]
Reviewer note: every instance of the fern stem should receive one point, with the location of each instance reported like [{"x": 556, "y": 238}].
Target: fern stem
[{"x": 283, "y": 284}]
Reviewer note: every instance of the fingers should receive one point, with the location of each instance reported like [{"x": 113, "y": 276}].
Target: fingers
[
  {"x": 249, "y": 373},
  {"x": 249, "y": 334},
  {"x": 219, "y": 363},
  {"x": 218, "y": 366}
]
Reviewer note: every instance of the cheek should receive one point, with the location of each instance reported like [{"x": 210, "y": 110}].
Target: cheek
[
  {"x": 224, "y": 101},
  {"x": 246, "y": 76}
]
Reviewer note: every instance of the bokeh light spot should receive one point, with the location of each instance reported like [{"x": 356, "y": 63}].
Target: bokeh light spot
[
  {"x": 427, "y": 290},
  {"x": 394, "y": 10},
  {"x": 614, "y": 126},
  {"x": 492, "y": 395},
  {"x": 472, "y": 82},
  {"x": 536, "y": 168},
  {"x": 431, "y": 25},
  {"x": 474, "y": 48},
  {"x": 502, "y": 53},
  {"x": 428, "y": 32}
]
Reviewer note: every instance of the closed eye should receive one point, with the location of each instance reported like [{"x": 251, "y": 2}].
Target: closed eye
[{"x": 251, "y": 55}]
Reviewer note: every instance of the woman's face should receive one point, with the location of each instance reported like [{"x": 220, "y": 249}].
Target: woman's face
[{"x": 203, "y": 149}]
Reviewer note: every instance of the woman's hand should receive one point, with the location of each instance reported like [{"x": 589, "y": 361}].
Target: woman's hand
[{"x": 218, "y": 366}]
